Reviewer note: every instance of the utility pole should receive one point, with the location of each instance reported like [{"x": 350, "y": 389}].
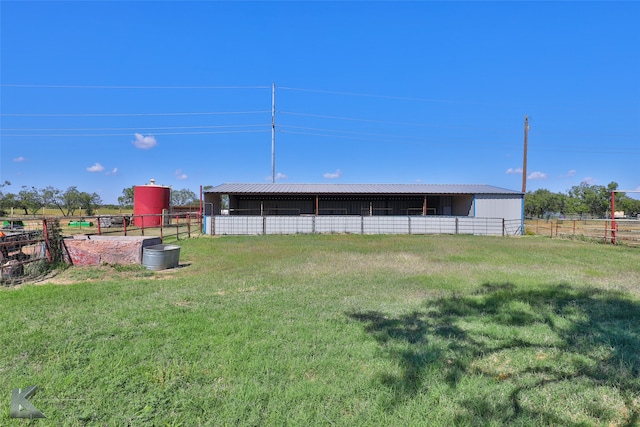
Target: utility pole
[
  {"x": 524, "y": 161},
  {"x": 273, "y": 133}
]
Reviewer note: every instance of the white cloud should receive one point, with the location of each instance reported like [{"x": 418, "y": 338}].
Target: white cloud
[
  {"x": 114, "y": 171},
  {"x": 335, "y": 175},
  {"x": 589, "y": 180},
  {"x": 95, "y": 168},
  {"x": 277, "y": 177},
  {"x": 537, "y": 175},
  {"x": 512, "y": 171},
  {"x": 144, "y": 142},
  {"x": 19, "y": 159},
  {"x": 571, "y": 173},
  {"x": 180, "y": 175}
]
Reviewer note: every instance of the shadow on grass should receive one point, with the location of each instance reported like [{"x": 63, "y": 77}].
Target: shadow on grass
[{"x": 557, "y": 355}]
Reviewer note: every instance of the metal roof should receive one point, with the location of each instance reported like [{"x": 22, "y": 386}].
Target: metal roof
[{"x": 396, "y": 189}]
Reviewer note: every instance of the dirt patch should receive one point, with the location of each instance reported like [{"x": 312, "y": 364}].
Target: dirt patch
[
  {"x": 84, "y": 274},
  {"x": 99, "y": 273}
]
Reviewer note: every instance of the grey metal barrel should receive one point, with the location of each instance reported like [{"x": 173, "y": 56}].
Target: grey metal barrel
[{"x": 160, "y": 257}]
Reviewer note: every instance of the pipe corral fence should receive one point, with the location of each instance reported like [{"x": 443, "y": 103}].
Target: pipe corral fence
[
  {"x": 349, "y": 224},
  {"x": 620, "y": 231},
  {"x": 27, "y": 242}
]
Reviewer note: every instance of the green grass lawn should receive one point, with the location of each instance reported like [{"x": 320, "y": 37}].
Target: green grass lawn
[{"x": 335, "y": 330}]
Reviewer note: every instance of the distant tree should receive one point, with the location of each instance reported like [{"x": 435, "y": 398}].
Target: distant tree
[
  {"x": 29, "y": 199},
  {"x": 4, "y": 184},
  {"x": 89, "y": 202},
  {"x": 49, "y": 196},
  {"x": 69, "y": 201},
  {"x": 183, "y": 197},
  {"x": 631, "y": 207},
  {"x": 126, "y": 200},
  {"x": 3, "y": 202},
  {"x": 594, "y": 200},
  {"x": 542, "y": 201},
  {"x": 8, "y": 201},
  {"x": 73, "y": 199}
]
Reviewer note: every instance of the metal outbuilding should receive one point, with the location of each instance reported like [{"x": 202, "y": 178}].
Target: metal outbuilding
[{"x": 366, "y": 200}]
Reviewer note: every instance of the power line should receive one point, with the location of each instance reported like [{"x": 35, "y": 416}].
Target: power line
[
  {"x": 346, "y": 131},
  {"x": 364, "y": 136},
  {"x": 402, "y": 98},
  {"x": 127, "y": 87},
  {"x": 441, "y": 142},
  {"x": 323, "y": 116},
  {"x": 435, "y": 100},
  {"x": 136, "y": 128},
  {"x": 128, "y": 114},
  {"x": 387, "y": 122},
  {"x": 128, "y": 134}
]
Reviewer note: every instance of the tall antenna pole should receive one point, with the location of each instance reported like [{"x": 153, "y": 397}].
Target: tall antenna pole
[
  {"x": 524, "y": 161},
  {"x": 273, "y": 132}
]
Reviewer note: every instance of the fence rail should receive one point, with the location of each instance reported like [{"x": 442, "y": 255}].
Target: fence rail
[
  {"x": 349, "y": 224},
  {"x": 22, "y": 245},
  {"x": 182, "y": 225},
  {"x": 627, "y": 231},
  {"x": 26, "y": 240}
]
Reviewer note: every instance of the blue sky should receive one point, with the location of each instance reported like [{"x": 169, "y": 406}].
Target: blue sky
[{"x": 106, "y": 95}]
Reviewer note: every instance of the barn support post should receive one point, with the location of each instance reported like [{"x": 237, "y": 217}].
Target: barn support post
[
  {"x": 189, "y": 225},
  {"x": 456, "y": 225}
]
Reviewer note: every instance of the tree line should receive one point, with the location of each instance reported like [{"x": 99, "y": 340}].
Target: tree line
[
  {"x": 29, "y": 200},
  {"x": 582, "y": 200}
]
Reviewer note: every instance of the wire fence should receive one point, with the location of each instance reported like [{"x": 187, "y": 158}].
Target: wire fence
[
  {"x": 350, "y": 224},
  {"x": 625, "y": 231},
  {"x": 28, "y": 244},
  {"x": 22, "y": 250},
  {"x": 182, "y": 225}
]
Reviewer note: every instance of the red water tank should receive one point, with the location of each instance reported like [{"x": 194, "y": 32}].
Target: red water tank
[{"x": 148, "y": 203}]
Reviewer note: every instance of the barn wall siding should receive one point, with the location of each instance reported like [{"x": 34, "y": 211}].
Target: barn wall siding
[{"x": 498, "y": 206}]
